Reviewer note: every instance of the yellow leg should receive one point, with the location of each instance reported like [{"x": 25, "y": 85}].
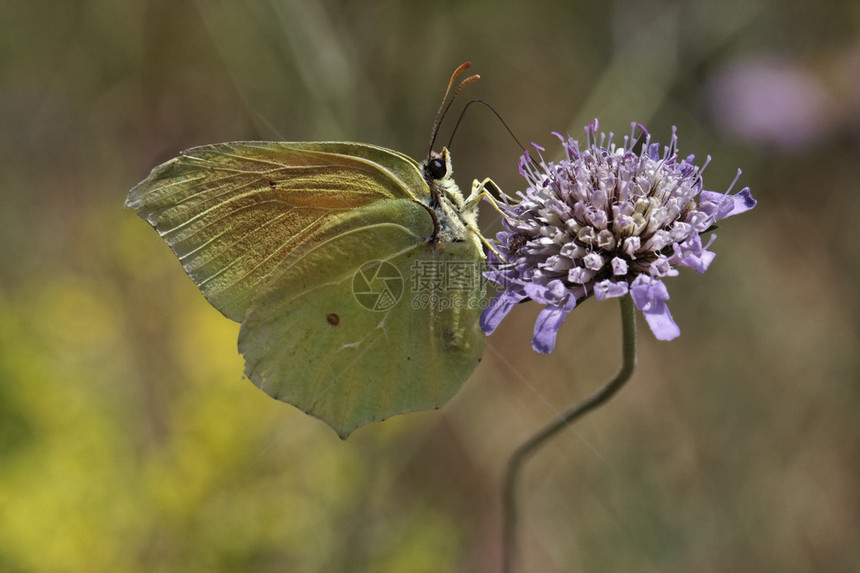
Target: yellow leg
[{"x": 479, "y": 191}]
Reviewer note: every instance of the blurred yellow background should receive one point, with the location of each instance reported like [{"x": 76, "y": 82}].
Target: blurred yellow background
[{"x": 129, "y": 440}]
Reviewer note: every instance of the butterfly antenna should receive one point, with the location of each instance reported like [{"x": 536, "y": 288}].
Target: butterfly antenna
[
  {"x": 444, "y": 107},
  {"x": 492, "y": 109}
]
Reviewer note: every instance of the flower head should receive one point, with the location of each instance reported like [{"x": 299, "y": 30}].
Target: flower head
[{"x": 604, "y": 221}]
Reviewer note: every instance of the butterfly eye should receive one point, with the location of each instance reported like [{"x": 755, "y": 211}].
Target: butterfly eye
[{"x": 436, "y": 168}]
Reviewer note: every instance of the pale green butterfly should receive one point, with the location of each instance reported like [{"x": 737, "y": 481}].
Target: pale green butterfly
[{"x": 304, "y": 244}]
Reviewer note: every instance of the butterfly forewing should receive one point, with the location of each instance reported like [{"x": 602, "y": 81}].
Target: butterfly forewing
[{"x": 232, "y": 212}]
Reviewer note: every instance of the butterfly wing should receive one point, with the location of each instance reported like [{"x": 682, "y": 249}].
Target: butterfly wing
[
  {"x": 274, "y": 233},
  {"x": 232, "y": 212},
  {"x": 310, "y": 339}
]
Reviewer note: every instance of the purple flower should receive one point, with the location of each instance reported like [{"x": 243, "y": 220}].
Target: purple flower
[{"x": 604, "y": 221}]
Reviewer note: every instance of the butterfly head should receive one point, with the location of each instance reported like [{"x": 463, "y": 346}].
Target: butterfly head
[{"x": 437, "y": 166}]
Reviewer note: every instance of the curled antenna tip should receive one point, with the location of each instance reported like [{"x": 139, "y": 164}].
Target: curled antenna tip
[
  {"x": 443, "y": 107},
  {"x": 460, "y": 69}
]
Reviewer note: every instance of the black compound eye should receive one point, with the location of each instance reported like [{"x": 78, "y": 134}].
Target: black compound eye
[{"x": 436, "y": 168}]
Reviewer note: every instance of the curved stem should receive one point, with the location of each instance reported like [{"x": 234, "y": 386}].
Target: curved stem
[{"x": 628, "y": 327}]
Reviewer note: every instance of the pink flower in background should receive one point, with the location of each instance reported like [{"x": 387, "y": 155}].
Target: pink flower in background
[{"x": 770, "y": 102}]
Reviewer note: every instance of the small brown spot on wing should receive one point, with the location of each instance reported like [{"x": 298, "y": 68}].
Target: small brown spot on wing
[{"x": 332, "y": 318}]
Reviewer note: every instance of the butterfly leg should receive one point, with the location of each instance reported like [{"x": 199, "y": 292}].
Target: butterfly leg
[
  {"x": 480, "y": 190},
  {"x": 486, "y": 188}
]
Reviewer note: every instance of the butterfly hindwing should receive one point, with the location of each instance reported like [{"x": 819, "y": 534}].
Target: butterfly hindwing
[{"x": 311, "y": 340}]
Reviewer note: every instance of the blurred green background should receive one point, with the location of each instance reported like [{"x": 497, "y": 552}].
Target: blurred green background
[{"x": 129, "y": 440}]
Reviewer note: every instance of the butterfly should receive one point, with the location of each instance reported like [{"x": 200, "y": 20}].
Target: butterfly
[{"x": 354, "y": 270}]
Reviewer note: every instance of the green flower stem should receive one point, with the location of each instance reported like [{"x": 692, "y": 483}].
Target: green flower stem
[{"x": 628, "y": 328}]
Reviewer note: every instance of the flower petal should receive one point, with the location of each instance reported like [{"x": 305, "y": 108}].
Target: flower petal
[
  {"x": 699, "y": 261},
  {"x": 693, "y": 254},
  {"x": 728, "y": 205},
  {"x": 498, "y": 308},
  {"x": 548, "y": 322},
  {"x": 661, "y": 322},
  {"x": 608, "y": 289},
  {"x": 649, "y": 296},
  {"x": 536, "y": 291}
]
